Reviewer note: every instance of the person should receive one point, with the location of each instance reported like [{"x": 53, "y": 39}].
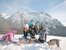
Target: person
[
  {"x": 9, "y": 36},
  {"x": 28, "y": 28},
  {"x": 30, "y": 23},
  {"x": 42, "y": 33},
  {"x": 25, "y": 30},
  {"x": 26, "y": 33},
  {"x": 35, "y": 28},
  {"x": 34, "y": 31}
]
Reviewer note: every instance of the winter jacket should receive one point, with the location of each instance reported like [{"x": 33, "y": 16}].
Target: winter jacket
[{"x": 9, "y": 36}]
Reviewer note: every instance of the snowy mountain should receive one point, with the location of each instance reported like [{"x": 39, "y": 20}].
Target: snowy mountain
[
  {"x": 55, "y": 26},
  {"x": 18, "y": 19},
  {"x": 4, "y": 23},
  {"x": 59, "y": 12}
]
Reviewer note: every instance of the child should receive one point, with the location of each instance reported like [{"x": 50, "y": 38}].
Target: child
[
  {"x": 25, "y": 31},
  {"x": 20, "y": 42},
  {"x": 9, "y": 36}
]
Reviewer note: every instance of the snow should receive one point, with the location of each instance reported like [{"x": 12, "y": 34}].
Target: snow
[
  {"x": 4, "y": 15},
  {"x": 34, "y": 46}
]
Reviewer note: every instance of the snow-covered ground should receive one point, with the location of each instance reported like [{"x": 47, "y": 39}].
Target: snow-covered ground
[{"x": 34, "y": 46}]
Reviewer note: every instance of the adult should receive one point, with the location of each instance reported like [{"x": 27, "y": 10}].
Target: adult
[{"x": 42, "y": 33}]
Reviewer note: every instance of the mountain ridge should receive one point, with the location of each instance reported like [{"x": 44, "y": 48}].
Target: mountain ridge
[{"x": 17, "y": 21}]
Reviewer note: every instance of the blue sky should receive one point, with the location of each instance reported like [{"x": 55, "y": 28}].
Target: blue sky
[
  {"x": 12, "y": 6},
  {"x": 59, "y": 12}
]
